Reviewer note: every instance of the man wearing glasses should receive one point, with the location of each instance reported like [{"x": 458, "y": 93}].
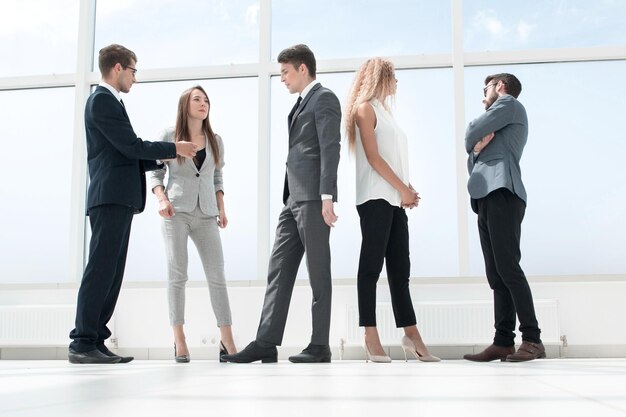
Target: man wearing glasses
[
  {"x": 495, "y": 142},
  {"x": 117, "y": 161}
]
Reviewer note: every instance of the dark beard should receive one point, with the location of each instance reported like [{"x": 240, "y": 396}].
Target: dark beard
[{"x": 490, "y": 102}]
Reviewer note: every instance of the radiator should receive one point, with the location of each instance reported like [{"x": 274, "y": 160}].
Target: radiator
[
  {"x": 451, "y": 323},
  {"x": 36, "y": 325}
]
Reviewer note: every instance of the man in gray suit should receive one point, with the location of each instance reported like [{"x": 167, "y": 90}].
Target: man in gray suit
[
  {"x": 304, "y": 223},
  {"x": 495, "y": 142}
]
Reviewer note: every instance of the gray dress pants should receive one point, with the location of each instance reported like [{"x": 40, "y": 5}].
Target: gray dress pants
[
  {"x": 301, "y": 231},
  {"x": 204, "y": 232}
]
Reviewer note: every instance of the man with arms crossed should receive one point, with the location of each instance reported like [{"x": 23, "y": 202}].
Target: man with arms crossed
[
  {"x": 305, "y": 221},
  {"x": 495, "y": 142},
  {"x": 117, "y": 161}
]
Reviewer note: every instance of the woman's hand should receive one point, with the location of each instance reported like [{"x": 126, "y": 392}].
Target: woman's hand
[
  {"x": 410, "y": 197},
  {"x": 222, "y": 220},
  {"x": 166, "y": 209}
]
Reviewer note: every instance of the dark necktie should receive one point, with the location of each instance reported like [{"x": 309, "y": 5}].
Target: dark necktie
[
  {"x": 293, "y": 111},
  {"x": 123, "y": 108}
]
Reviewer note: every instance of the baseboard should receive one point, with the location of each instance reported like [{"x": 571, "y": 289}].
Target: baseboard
[{"x": 352, "y": 352}]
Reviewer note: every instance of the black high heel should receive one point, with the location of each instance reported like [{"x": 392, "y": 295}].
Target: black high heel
[
  {"x": 181, "y": 358},
  {"x": 223, "y": 352}
]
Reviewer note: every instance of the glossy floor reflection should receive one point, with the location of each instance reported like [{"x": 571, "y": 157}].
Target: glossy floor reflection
[{"x": 553, "y": 387}]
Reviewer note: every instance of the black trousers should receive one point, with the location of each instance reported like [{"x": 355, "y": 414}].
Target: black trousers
[
  {"x": 385, "y": 238},
  {"x": 500, "y": 216},
  {"x": 102, "y": 279}
]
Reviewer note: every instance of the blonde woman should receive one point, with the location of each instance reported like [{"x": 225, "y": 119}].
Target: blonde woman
[
  {"x": 192, "y": 206},
  {"x": 383, "y": 192}
]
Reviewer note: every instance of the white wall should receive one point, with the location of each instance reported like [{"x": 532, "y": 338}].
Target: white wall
[{"x": 591, "y": 313}]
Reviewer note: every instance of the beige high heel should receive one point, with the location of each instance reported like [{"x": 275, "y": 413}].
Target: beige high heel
[
  {"x": 409, "y": 346},
  {"x": 375, "y": 358}
]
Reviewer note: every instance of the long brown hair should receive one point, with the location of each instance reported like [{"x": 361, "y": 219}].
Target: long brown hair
[
  {"x": 374, "y": 80},
  {"x": 181, "y": 132}
]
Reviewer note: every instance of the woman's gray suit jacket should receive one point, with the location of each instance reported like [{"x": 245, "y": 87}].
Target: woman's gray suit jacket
[{"x": 187, "y": 186}]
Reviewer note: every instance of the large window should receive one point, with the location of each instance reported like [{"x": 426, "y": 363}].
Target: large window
[
  {"x": 36, "y": 184},
  {"x": 340, "y": 29},
  {"x": 425, "y": 110},
  {"x": 512, "y": 24},
  {"x": 572, "y": 166},
  {"x": 38, "y": 37},
  {"x": 423, "y": 107},
  {"x": 183, "y": 33},
  {"x": 569, "y": 54},
  {"x": 152, "y": 107}
]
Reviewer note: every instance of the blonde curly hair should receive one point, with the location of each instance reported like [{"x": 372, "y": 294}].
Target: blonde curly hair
[{"x": 374, "y": 80}]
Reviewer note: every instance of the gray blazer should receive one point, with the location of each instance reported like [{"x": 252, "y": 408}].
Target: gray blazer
[
  {"x": 497, "y": 165},
  {"x": 186, "y": 186},
  {"x": 313, "y": 158}
]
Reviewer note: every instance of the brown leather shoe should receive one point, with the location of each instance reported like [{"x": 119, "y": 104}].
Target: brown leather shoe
[
  {"x": 491, "y": 353},
  {"x": 527, "y": 352}
]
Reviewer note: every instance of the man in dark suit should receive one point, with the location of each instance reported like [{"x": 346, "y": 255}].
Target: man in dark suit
[
  {"x": 117, "y": 161},
  {"x": 495, "y": 142},
  {"x": 305, "y": 221}
]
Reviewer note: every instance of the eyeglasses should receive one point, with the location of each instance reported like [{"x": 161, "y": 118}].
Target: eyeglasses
[
  {"x": 487, "y": 88},
  {"x": 134, "y": 70}
]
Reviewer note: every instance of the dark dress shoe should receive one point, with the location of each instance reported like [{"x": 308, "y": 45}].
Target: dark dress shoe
[
  {"x": 123, "y": 359},
  {"x": 491, "y": 353},
  {"x": 312, "y": 354},
  {"x": 527, "y": 352},
  {"x": 93, "y": 356},
  {"x": 252, "y": 353}
]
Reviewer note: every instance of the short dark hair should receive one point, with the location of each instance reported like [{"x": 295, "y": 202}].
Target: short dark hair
[
  {"x": 113, "y": 54},
  {"x": 511, "y": 84},
  {"x": 297, "y": 55}
]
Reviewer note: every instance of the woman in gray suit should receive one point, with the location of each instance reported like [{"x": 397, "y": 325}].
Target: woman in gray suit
[{"x": 192, "y": 206}]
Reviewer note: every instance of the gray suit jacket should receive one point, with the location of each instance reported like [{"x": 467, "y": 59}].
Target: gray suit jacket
[
  {"x": 186, "y": 186},
  {"x": 497, "y": 165},
  {"x": 313, "y": 158}
]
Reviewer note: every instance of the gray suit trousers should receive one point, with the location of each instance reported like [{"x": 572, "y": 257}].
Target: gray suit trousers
[
  {"x": 204, "y": 232},
  {"x": 301, "y": 230}
]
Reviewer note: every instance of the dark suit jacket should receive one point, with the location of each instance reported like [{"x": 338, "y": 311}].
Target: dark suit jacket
[
  {"x": 313, "y": 158},
  {"x": 117, "y": 158}
]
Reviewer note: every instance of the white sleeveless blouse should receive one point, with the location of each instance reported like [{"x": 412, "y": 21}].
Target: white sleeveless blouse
[{"x": 393, "y": 148}]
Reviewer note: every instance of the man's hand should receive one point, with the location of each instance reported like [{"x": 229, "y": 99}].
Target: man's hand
[
  {"x": 186, "y": 149},
  {"x": 482, "y": 144},
  {"x": 166, "y": 210},
  {"x": 328, "y": 212}
]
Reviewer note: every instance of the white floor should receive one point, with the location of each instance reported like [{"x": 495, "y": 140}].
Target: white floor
[{"x": 552, "y": 387}]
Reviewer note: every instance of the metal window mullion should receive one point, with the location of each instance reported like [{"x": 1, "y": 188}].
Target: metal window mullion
[
  {"x": 84, "y": 59},
  {"x": 264, "y": 141}
]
